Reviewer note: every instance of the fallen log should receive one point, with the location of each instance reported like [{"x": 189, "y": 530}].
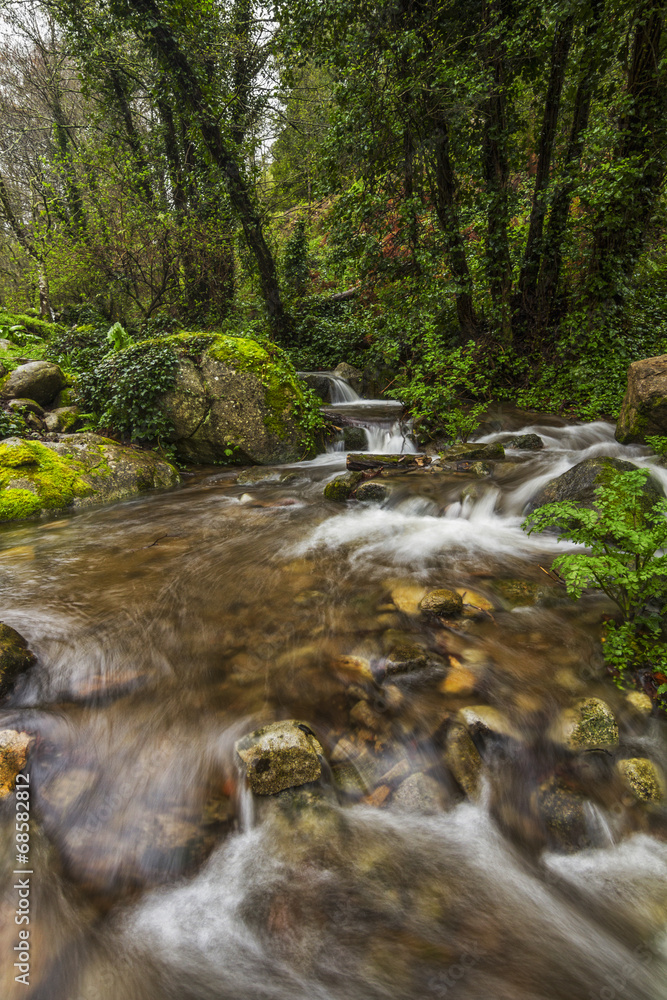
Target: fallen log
[{"x": 392, "y": 463}]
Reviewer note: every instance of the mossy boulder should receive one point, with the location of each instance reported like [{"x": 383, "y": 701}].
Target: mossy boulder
[
  {"x": 38, "y": 380},
  {"x": 644, "y": 406},
  {"x": 63, "y": 419},
  {"x": 78, "y": 470},
  {"x": 340, "y": 489},
  {"x": 15, "y": 657},
  {"x": 234, "y": 397},
  {"x": 280, "y": 755},
  {"x": 579, "y": 483}
]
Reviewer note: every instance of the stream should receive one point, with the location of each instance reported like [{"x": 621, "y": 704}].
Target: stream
[{"x": 169, "y": 626}]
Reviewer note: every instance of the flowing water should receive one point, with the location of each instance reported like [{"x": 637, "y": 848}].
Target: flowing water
[{"x": 167, "y": 627}]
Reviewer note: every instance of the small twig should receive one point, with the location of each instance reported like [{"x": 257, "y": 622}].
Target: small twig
[{"x": 156, "y": 541}]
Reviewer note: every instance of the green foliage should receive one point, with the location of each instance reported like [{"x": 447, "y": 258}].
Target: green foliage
[
  {"x": 11, "y": 424},
  {"x": 295, "y": 258},
  {"x": 626, "y": 536},
  {"x": 81, "y": 347},
  {"x": 118, "y": 337},
  {"x": 443, "y": 390},
  {"x": 123, "y": 390},
  {"x": 657, "y": 443}
]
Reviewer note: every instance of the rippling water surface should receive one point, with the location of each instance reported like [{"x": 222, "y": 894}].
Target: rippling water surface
[{"x": 167, "y": 627}]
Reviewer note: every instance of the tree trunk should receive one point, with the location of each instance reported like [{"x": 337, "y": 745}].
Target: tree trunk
[
  {"x": 445, "y": 204},
  {"x": 639, "y": 161},
  {"x": 527, "y": 290},
  {"x": 187, "y": 85}
]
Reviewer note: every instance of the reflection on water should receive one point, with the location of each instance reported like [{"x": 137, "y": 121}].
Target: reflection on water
[{"x": 167, "y": 627}]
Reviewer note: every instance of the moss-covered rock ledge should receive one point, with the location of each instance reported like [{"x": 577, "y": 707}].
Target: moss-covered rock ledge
[
  {"x": 236, "y": 398},
  {"x": 77, "y": 470}
]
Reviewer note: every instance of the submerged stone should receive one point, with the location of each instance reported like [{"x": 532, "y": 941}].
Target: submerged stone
[
  {"x": 280, "y": 755},
  {"x": 15, "y": 657},
  {"x": 563, "y": 813},
  {"x": 419, "y": 794},
  {"x": 463, "y": 759},
  {"x": 441, "y": 602}
]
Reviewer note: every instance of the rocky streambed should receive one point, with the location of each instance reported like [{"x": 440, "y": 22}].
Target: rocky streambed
[{"x": 281, "y": 745}]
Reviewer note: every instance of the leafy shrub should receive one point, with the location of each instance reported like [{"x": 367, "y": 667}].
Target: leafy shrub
[
  {"x": 625, "y": 534},
  {"x": 295, "y": 258},
  {"x": 124, "y": 388},
  {"x": 11, "y": 424},
  {"x": 437, "y": 385}
]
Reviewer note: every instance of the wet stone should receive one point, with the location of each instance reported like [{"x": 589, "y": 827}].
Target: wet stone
[
  {"x": 463, "y": 759},
  {"x": 639, "y": 703},
  {"x": 473, "y": 452},
  {"x": 563, "y": 813},
  {"x": 525, "y": 442},
  {"x": 589, "y": 723},
  {"x": 14, "y": 749},
  {"x": 419, "y": 794},
  {"x": 280, "y": 755},
  {"x": 354, "y": 438},
  {"x": 340, "y": 488},
  {"x": 15, "y": 657},
  {"x": 441, "y": 602},
  {"x": 371, "y": 492},
  {"x": 642, "y": 778}
]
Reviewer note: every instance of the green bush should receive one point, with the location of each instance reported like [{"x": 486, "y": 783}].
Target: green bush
[
  {"x": 124, "y": 388},
  {"x": 626, "y": 534}
]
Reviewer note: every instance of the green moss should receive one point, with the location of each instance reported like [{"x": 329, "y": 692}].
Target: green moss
[{"x": 34, "y": 478}]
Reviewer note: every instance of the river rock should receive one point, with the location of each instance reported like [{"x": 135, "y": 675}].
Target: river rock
[
  {"x": 463, "y": 759},
  {"x": 639, "y": 703},
  {"x": 235, "y": 394},
  {"x": 371, "y": 492},
  {"x": 15, "y": 657},
  {"x": 419, "y": 794},
  {"x": 340, "y": 489},
  {"x": 319, "y": 384},
  {"x": 589, "y": 723},
  {"x": 579, "y": 483},
  {"x": 353, "y": 376},
  {"x": 38, "y": 380},
  {"x": 23, "y": 405},
  {"x": 63, "y": 419},
  {"x": 14, "y": 749},
  {"x": 249, "y": 477},
  {"x": 280, "y": 755},
  {"x": 642, "y": 778},
  {"x": 525, "y": 442},
  {"x": 644, "y": 406},
  {"x": 354, "y": 438},
  {"x": 441, "y": 602},
  {"x": 473, "y": 452},
  {"x": 78, "y": 470},
  {"x": 563, "y": 812},
  {"x": 487, "y": 721}
]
